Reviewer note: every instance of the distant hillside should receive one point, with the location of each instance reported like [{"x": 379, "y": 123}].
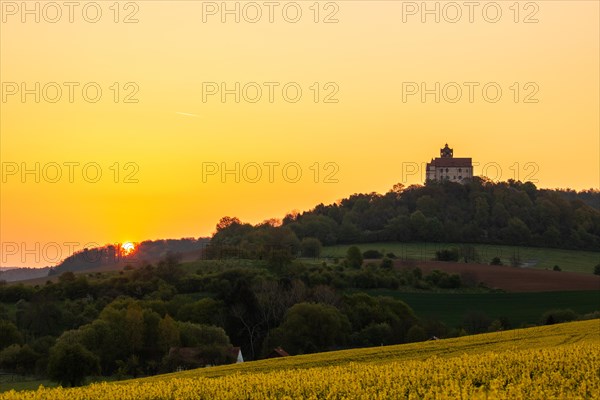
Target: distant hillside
[
  {"x": 14, "y": 274},
  {"x": 147, "y": 252}
]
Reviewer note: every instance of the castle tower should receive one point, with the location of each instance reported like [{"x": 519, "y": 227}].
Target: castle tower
[{"x": 446, "y": 152}]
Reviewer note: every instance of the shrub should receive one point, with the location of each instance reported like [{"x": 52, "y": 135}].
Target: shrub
[
  {"x": 354, "y": 257},
  {"x": 311, "y": 247},
  {"x": 556, "y": 268},
  {"x": 387, "y": 263},
  {"x": 416, "y": 334},
  {"x": 558, "y": 316},
  {"x": 496, "y": 261},
  {"x": 446, "y": 255},
  {"x": 476, "y": 322},
  {"x": 372, "y": 254}
]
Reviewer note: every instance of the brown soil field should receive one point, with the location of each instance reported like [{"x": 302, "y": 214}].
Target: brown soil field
[{"x": 511, "y": 279}]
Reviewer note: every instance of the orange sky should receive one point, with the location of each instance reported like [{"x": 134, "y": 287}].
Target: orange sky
[{"x": 156, "y": 125}]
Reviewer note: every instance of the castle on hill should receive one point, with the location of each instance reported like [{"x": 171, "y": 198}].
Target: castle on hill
[{"x": 447, "y": 167}]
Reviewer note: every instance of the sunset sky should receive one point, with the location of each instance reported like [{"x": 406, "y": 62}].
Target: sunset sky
[{"x": 150, "y": 153}]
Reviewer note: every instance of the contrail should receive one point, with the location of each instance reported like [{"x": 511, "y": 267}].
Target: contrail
[{"x": 187, "y": 114}]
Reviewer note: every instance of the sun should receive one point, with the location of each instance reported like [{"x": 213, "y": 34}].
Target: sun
[{"x": 128, "y": 248}]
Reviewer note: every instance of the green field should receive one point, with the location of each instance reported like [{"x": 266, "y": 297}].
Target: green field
[
  {"x": 519, "y": 308},
  {"x": 21, "y": 383},
  {"x": 542, "y": 258}
]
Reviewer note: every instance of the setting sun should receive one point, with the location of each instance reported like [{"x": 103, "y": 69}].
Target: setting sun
[{"x": 128, "y": 248}]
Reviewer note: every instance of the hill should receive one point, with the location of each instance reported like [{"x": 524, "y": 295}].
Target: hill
[
  {"x": 14, "y": 274},
  {"x": 530, "y": 257},
  {"x": 479, "y": 211},
  {"x": 558, "y": 361},
  {"x": 113, "y": 257}
]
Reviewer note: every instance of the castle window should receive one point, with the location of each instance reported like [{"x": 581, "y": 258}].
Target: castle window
[
  {"x": 460, "y": 170},
  {"x": 446, "y": 170}
]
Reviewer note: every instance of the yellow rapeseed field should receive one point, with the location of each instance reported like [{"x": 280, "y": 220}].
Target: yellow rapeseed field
[{"x": 569, "y": 369}]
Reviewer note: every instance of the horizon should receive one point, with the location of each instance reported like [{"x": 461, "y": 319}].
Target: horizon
[
  {"x": 132, "y": 124},
  {"x": 77, "y": 246}
]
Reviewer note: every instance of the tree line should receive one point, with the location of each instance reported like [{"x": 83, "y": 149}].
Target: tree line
[{"x": 479, "y": 211}]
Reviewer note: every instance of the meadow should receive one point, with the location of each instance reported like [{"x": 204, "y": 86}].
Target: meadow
[
  {"x": 533, "y": 257},
  {"x": 518, "y": 308},
  {"x": 549, "y": 362}
]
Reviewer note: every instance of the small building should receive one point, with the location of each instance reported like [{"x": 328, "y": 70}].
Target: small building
[
  {"x": 236, "y": 355},
  {"x": 277, "y": 353},
  {"x": 446, "y": 167}
]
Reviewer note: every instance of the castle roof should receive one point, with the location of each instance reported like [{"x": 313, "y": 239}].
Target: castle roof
[{"x": 451, "y": 162}]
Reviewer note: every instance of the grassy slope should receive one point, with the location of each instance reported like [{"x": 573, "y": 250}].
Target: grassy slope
[
  {"x": 24, "y": 384},
  {"x": 519, "y": 308},
  {"x": 568, "y": 260},
  {"x": 531, "y": 338}
]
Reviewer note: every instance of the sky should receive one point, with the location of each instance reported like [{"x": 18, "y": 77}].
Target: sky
[{"x": 131, "y": 121}]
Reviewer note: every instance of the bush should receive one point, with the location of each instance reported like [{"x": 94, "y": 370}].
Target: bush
[
  {"x": 597, "y": 270},
  {"x": 558, "y": 316},
  {"x": 556, "y": 268},
  {"x": 443, "y": 280},
  {"x": 476, "y": 322},
  {"x": 387, "y": 263},
  {"x": 373, "y": 335},
  {"x": 449, "y": 281},
  {"x": 496, "y": 261},
  {"x": 446, "y": 255},
  {"x": 354, "y": 257},
  {"x": 416, "y": 334},
  {"x": 69, "y": 364},
  {"x": 18, "y": 359},
  {"x": 372, "y": 254},
  {"x": 311, "y": 247},
  {"x": 391, "y": 255},
  {"x": 9, "y": 334}
]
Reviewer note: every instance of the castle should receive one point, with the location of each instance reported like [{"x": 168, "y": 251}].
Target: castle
[{"x": 446, "y": 167}]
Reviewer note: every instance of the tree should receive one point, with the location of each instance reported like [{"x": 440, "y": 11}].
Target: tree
[
  {"x": 310, "y": 327},
  {"x": 597, "y": 269},
  {"x": 9, "y": 334},
  {"x": 517, "y": 232},
  {"x": 311, "y": 247},
  {"x": 226, "y": 222},
  {"x": 134, "y": 322},
  {"x": 373, "y": 335},
  {"x": 168, "y": 333},
  {"x": 212, "y": 342},
  {"x": 354, "y": 257},
  {"x": 416, "y": 334},
  {"x": 418, "y": 224},
  {"x": 69, "y": 364},
  {"x": 476, "y": 322},
  {"x": 558, "y": 316},
  {"x": 18, "y": 359},
  {"x": 205, "y": 311}
]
